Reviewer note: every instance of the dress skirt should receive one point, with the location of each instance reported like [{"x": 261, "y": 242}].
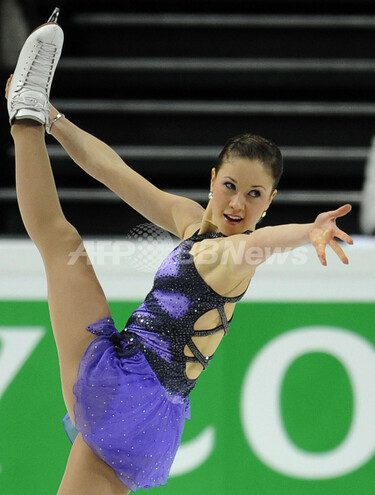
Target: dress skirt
[{"x": 123, "y": 412}]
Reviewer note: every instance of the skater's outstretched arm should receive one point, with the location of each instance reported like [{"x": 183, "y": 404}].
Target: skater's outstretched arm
[
  {"x": 265, "y": 241},
  {"x": 171, "y": 212}
]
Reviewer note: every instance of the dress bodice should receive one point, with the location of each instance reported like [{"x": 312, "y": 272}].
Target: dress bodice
[{"x": 164, "y": 323}]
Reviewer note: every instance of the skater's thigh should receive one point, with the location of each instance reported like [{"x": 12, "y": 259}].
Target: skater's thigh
[
  {"x": 87, "y": 474},
  {"x": 75, "y": 300}
]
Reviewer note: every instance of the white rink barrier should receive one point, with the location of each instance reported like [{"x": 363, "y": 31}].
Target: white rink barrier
[{"x": 125, "y": 269}]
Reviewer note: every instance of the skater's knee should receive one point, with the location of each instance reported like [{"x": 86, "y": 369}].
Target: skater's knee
[{"x": 61, "y": 236}]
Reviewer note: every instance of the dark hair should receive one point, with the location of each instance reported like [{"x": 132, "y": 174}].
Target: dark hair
[{"x": 254, "y": 148}]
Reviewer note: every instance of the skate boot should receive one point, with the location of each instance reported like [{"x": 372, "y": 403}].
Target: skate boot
[{"x": 28, "y": 95}]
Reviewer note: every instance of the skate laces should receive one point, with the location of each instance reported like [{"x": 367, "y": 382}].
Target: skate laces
[
  {"x": 40, "y": 71},
  {"x": 22, "y": 101}
]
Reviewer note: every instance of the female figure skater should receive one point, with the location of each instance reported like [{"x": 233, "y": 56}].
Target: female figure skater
[{"x": 127, "y": 393}]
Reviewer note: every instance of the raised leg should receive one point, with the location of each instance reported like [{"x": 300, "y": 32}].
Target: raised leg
[{"x": 75, "y": 296}]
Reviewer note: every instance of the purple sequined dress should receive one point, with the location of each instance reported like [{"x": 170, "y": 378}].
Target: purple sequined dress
[{"x": 132, "y": 390}]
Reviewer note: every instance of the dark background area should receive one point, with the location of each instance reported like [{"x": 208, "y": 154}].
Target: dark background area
[{"x": 167, "y": 82}]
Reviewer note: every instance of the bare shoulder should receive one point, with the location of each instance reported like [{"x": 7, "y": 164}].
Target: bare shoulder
[
  {"x": 219, "y": 263},
  {"x": 187, "y": 216},
  {"x": 192, "y": 228}
]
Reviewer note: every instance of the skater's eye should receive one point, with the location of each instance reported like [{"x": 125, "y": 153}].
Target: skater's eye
[{"x": 255, "y": 193}]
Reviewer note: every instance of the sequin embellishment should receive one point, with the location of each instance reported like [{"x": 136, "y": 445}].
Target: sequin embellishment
[{"x": 132, "y": 390}]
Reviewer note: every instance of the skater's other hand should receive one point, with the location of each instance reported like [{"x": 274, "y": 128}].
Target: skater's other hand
[
  {"x": 324, "y": 231},
  {"x": 7, "y": 85}
]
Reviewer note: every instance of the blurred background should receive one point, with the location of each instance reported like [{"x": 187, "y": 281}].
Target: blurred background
[{"x": 166, "y": 83}]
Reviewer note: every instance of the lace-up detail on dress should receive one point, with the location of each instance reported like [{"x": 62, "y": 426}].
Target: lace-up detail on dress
[
  {"x": 164, "y": 323},
  {"x": 198, "y": 357}
]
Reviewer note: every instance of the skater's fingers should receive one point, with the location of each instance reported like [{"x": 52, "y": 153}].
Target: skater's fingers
[
  {"x": 340, "y": 253},
  {"x": 8, "y": 81},
  {"x": 321, "y": 252},
  {"x": 7, "y": 85},
  {"x": 342, "y": 211}
]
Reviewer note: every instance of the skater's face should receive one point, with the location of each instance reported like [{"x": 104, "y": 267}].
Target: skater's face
[{"x": 242, "y": 190}]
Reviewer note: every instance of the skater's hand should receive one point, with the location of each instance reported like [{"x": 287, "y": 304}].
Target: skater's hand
[
  {"x": 324, "y": 230},
  {"x": 7, "y": 86}
]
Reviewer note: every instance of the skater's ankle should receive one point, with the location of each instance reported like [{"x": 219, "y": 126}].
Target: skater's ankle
[{"x": 25, "y": 124}]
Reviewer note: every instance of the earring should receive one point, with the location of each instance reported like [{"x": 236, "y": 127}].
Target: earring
[
  {"x": 210, "y": 195},
  {"x": 264, "y": 213}
]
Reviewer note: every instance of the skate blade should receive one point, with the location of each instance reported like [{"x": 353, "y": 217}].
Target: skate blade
[{"x": 54, "y": 15}]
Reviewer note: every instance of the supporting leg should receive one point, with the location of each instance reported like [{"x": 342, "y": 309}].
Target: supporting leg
[{"x": 86, "y": 474}]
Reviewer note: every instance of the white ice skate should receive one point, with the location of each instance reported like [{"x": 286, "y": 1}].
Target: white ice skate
[{"x": 28, "y": 96}]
